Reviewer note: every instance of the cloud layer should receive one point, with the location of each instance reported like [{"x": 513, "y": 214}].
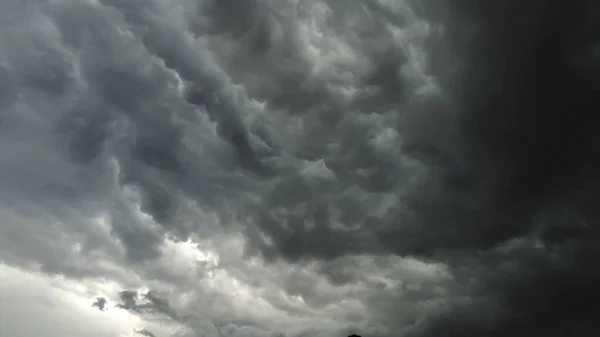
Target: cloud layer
[{"x": 301, "y": 168}]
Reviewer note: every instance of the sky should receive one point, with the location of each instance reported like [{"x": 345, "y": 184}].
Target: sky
[{"x": 299, "y": 168}]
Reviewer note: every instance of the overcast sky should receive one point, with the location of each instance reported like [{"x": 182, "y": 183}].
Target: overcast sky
[{"x": 298, "y": 168}]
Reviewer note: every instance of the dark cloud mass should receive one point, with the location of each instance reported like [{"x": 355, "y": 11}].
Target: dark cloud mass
[
  {"x": 145, "y": 332},
  {"x": 307, "y": 168},
  {"x": 100, "y": 303}
]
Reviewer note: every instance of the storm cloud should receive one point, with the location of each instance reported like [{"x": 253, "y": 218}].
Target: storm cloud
[{"x": 295, "y": 168}]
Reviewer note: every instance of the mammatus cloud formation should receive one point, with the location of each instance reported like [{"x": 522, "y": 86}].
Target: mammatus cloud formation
[{"x": 291, "y": 168}]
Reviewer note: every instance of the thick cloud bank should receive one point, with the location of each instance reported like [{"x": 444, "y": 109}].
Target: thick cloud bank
[{"x": 299, "y": 168}]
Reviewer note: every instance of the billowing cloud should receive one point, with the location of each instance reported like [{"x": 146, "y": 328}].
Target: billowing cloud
[{"x": 301, "y": 168}]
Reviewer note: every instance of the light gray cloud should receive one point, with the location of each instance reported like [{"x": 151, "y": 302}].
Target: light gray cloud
[{"x": 312, "y": 168}]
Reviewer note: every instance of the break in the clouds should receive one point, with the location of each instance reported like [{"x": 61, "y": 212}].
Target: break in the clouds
[{"x": 291, "y": 168}]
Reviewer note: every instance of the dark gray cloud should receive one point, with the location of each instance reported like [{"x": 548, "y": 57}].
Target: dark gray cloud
[
  {"x": 147, "y": 302},
  {"x": 129, "y": 300},
  {"x": 145, "y": 332},
  {"x": 313, "y": 168},
  {"x": 100, "y": 303}
]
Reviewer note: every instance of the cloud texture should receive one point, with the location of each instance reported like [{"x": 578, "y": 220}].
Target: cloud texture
[{"x": 309, "y": 168}]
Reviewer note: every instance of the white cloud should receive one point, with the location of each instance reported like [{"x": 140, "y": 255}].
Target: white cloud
[{"x": 34, "y": 304}]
